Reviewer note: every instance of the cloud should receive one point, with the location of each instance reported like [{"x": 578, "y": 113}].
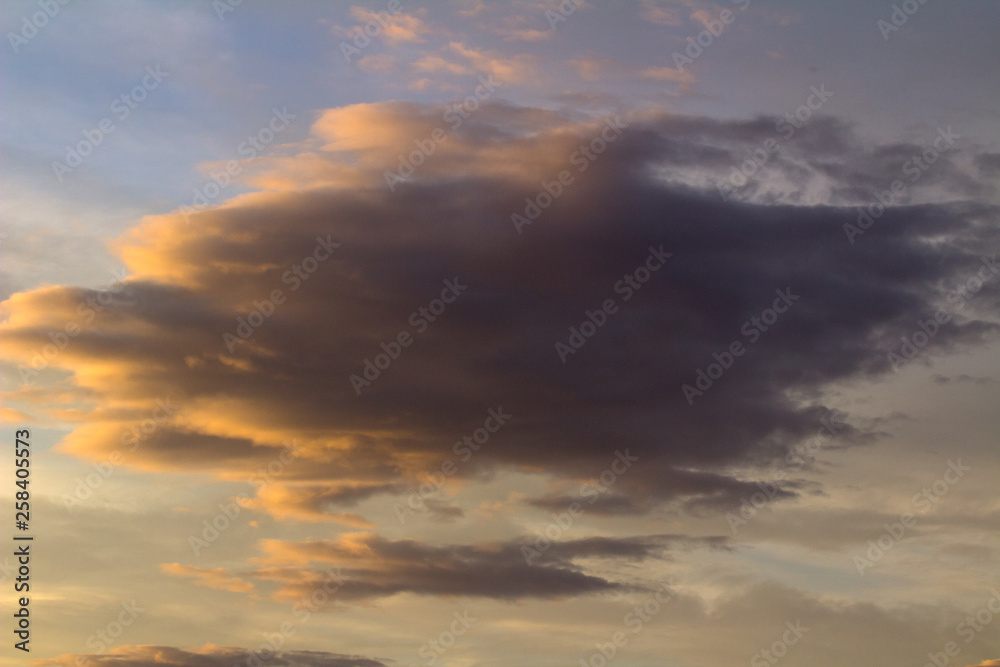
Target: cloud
[
  {"x": 524, "y": 34},
  {"x": 312, "y": 502},
  {"x": 377, "y": 64},
  {"x": 670, "y": 74},
  {"x": 207, "y": 656},
  {"x": 672, "y": 12},
  {"x": 594, "y": 69},
  {"x": 655, "y": 12},
  {"x": 216, "y": 578},
  {"x": 315, "y": 324},
  {"x": 469, "y": 7},
  {"x": 963, "y": 378},
  {"x": 12, "y": 416},
  {"x": 515, "y": 69},
  {"x": 751, "y": 620},
  {"x": 988, "y": 164},
  {"x": 373, "y": 567},
  {"x": 433, "y": 64},
  {"x": 398, "y": 28}
]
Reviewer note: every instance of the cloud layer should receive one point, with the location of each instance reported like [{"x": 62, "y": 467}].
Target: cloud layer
[
  {"x": 208, "y": 656},
  {"x": 376, "y": 327}
]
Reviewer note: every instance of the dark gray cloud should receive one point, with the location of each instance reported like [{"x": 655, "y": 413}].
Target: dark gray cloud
[
  {"x": 170, "y": 656},
  {"x": 496, "y": 344},
  {"x": 369, "y": 566}
]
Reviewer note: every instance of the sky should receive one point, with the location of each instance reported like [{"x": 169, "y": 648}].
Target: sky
[{"x": 467, "y": 333}]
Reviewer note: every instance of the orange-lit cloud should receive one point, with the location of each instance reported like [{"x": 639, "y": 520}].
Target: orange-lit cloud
[
  {"x": 401, "y": 27},
  {"x": 377, "y": 64},
  {"x": 507, "y": 70},
  {"x": 657, "y": 11},
  {"x": 216, "y": 578},
  {"x": 12, "y": 416},
  {"x": 594, "y": 69},
  {"x": 310, "y": 503},
  {"x": 252, "y": 317},
  {"x": 366, "y": 566},
  {"x": 433, "y": 64},
  {"x": 669, "y": 74}
]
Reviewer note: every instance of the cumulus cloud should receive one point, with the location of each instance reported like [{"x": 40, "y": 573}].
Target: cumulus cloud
[{"x": 329, "y": 270}]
